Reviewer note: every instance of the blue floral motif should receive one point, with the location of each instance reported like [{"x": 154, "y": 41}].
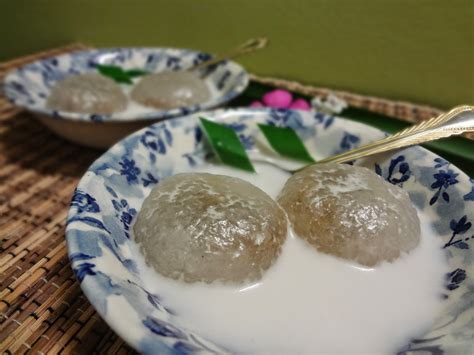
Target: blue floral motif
[
  {"x": 223, "y": 80},
  {"x": 200, "y": 152},
  {"x": 324, "y": 119},
  {"x": 84, "y": 202},
  {"x": 459, "y": 227},
  {"x": 184, "y": 111},
  {"x": 427, "y": 349},
  {"x": 129, "y": 170},
  {"x": 151, "y": 58},
  {"x": 237, "y": 126},
  {"x": 154, "y": 300},
  {"x": 190, "y": 158},
  {"x": 91, "y": 63},
  {"x": 149, "y": 179},
  {"x": 200, "y": 58},
  {"x": 80, "y": 256},
  {"x": 470, "y": 195},
  {"x": 125, "y": 214},
  {"x": 185, "y": 348},
  {"x": 246, "y": 139},
  {"x": 396, "y": 176},
  {"x": 210, "y": 69},
  {"x": 197, "y": 135},
  {"x": 160, "y": 327},
  {"x": 91, "y": 221},
  {"x": 50, "y": 72},
  {"x": 150, "y": 141},
  {"x": 111, "y": 191},
  {"x": 349, "y": 141},
  {"x": 285, "y": 118},
  {"x": 194, "y": 158},
  {"x": 454, "y": 278},
  {"x": 440, "y": 162},
  {"x": 84, "y": 269},
  {"x": 443, "y": 179},
  {"x": 157, "y": 140},
  {"x": 97, "y": 118},
  {"x": 19, "y": 88},
  {"x": 173, "y": 63}
]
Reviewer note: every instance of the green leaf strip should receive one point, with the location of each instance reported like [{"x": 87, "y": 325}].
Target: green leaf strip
[
  {"x": 118, "y": 74},
  {"x": 227, "y": 145},
  {"x": 286, "y": 142}
]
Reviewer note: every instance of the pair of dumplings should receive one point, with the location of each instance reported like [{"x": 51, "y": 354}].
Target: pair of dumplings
[
  {"x": 203, "y": 227},
  {"x": 95, "y": 93}
]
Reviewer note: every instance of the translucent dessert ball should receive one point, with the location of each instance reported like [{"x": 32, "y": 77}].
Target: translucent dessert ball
[
  {"x": 205, "y": 227},
  {"x": 350, "y": 212},
  {"x": 87, "y": 93},
  {"x": 171, "y": 89}
]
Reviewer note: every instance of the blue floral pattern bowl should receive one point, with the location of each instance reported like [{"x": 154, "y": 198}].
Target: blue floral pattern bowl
[
  {"x": 29, "y": 87},
  {"x": 111, "y": 192}
]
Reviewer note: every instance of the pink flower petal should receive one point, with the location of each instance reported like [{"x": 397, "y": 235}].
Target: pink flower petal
[
  {"x": 256, "y": 104},
  {"x": 277, "y": 98},
  {"x": 300, "y": 104}
]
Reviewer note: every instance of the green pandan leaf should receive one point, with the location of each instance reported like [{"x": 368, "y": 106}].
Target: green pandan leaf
[
  {"x": 114, "y": 72},
  {"x": 286, "y": 142},
  {"x": 227, "y": 145},
  {"x": 136, "y": 72}
]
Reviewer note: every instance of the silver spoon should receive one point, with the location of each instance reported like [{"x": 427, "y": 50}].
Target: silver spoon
[
  {"x": 457, "y": 121},
  {"x": 249, "y": 46}
]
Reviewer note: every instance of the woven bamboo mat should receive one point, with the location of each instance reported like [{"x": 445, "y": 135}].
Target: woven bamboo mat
[{"x": 42, "y": 309}]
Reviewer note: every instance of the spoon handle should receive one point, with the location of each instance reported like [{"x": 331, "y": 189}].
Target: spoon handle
[
  {"x": 249, "y": 46},
  {"x": 459, "y": 120}
]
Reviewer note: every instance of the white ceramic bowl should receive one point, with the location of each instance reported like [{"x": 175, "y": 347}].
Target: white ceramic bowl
[
  {"x": 111, "y": 192},
  {"x": 29, "y": 87}
]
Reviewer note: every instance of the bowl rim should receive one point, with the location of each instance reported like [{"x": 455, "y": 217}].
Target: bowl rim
[{"x": 12, "y": 75}]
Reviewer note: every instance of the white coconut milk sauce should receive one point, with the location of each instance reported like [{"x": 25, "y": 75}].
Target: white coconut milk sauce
[{"x": 309, "y": 302}]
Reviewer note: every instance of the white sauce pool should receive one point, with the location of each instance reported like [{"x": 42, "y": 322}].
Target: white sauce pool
[{"x": 309, "y": 302}]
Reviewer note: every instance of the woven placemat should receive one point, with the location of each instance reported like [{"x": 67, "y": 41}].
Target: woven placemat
[{"x": 42, "y": 309}]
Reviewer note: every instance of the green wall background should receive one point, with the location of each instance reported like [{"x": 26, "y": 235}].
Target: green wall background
[{"x": 402, "y": 49}]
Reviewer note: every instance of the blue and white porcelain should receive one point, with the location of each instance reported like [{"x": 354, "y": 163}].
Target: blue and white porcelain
[
  {"x": 29, "y": 87},
  {"x": 110, "y": 195}
]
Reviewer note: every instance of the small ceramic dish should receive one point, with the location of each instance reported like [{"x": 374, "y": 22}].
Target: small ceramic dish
[
  {"x": 112, "y": 191},
  {"x": 29, "y": 87}
]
